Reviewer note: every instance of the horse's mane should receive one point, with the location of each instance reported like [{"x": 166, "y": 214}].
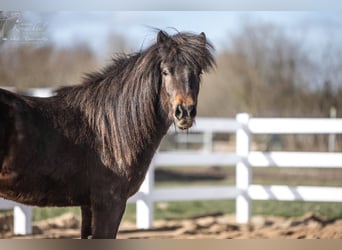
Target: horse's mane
[{"x": 122, "y": 102}]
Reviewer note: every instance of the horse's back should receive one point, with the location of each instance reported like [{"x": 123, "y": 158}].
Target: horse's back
[
  {"x": 9, "y": 98},
  {"x": 12, "y": 109},
  {"x": 11, "y": 106}
]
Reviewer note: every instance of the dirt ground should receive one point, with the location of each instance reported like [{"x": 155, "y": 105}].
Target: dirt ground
[{"x": 215, "y": 226}]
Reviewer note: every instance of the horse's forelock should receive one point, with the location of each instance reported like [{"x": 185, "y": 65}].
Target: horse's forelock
[{"x": 193, "y": 50}]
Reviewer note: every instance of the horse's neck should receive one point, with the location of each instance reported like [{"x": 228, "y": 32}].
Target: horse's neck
[
  {"x": 125, "y": 135},
  {"x": 137, "y": 171}
]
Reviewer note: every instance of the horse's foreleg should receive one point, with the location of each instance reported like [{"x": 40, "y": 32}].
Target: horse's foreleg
[
  {"x": 107, "y": 217},
  {"x": 86, "y": 222}
]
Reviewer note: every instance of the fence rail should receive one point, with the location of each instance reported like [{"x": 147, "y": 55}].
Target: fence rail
[
  {"x": 244, "y": 159},
  {"x": 295, "y": 159}
]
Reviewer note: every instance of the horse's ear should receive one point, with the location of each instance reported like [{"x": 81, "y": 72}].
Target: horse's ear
[
  {"x": 203, "y": 38},
  {"x": 162, "y": 37}
]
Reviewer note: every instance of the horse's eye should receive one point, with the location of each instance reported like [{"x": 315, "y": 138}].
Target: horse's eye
[{"x": 165, "y": 73}]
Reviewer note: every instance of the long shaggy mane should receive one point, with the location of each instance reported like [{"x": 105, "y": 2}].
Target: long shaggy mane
[{"x": 122, "y": 103}]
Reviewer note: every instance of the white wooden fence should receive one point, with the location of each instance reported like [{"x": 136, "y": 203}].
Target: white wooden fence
[{"x": 244, "y": 159}]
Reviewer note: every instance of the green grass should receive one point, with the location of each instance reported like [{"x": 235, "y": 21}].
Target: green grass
[
  {"x": 182, "y": 210},
  {"x": 329, "y": 210},
  {"x": 50, "y": 212}
]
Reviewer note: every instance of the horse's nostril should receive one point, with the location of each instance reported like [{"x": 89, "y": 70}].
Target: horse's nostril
[
  {"x": 192, "y": 110},
  {"x": 185, "y": 111},
  {"x": 179, "y": 112}
]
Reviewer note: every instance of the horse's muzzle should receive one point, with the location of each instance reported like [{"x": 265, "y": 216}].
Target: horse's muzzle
[{"x": 184, "y": 115}]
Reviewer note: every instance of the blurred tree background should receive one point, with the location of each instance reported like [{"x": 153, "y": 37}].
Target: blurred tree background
[
  {"x": 261, "y": 71},
  {"x": 266, "y": 73}
]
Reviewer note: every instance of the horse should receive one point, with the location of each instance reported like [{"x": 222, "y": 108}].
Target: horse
[{"x": 90, "y": 145}]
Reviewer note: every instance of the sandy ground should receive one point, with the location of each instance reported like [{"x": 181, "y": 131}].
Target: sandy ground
[{"x": 216, "y": 226}]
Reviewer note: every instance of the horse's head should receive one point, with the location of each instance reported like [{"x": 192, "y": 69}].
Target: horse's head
[{"x": 184, "y": 57}]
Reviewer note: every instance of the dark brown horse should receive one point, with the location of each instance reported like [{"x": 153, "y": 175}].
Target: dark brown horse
[{"x": 90, "y": 145}]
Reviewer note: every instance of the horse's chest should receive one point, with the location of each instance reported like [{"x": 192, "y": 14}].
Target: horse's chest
[{"x": 135, "y": 180}]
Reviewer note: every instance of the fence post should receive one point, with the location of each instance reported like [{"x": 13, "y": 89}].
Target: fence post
[
  {"x": 243, "y": 169},
  {"x": 144, "y": 207},
  {"x": 22, "y": 219},
  {"x": 208, "y": 141},
  {"x": 332, "y": 137}
]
